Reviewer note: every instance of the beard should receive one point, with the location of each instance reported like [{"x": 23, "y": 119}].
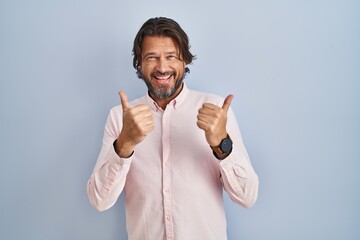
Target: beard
[{"x": 165, "y": 90}]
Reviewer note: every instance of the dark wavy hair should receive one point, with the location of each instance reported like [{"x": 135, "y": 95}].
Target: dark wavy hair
[{"x": 158, "y": 27}]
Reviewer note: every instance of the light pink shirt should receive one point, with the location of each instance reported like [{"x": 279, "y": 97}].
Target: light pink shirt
[{"x": 173, "y": 183}]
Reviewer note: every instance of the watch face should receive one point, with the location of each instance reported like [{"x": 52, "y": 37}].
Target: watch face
[{"x": 226, "y": 145}]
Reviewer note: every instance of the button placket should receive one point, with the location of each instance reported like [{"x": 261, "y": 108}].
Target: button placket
[{"x": 166, "y": 188}]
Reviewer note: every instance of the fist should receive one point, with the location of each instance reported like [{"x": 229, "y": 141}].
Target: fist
[
  {"x": 212, "y": 119},
  {"x": 138, "y": 122}
]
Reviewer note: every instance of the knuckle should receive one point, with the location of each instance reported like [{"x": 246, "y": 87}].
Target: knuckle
[{"x": 218, "y": 114}]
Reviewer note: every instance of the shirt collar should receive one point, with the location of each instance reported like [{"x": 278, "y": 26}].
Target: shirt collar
[{"x": 175, "y": 103}]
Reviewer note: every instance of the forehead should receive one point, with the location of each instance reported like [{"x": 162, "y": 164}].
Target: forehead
[{"x": 157, "y": 44}]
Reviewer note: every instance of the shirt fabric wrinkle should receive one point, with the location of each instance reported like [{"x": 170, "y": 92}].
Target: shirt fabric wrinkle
[{"x": 172, "y": 180}]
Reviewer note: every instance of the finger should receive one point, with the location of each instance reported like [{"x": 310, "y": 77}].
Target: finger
[
  {"x": 140, "y": 111},
  {"x": 227, "y": 102},
  {"x": 201, "y": 124},
  {"x": 204, "y": 125},
  {"x": 144, "y": 116},
  {"x": 209, "y": 106},
  {"x": 204, "y": 117},
  {"x": 124, "y": 101},
  {"x": 205, "y": 111},
  {"x": 210, "y": 112}
]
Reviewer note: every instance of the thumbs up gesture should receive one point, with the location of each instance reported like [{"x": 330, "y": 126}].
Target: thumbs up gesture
[
  {"x": 212, "y": 119},
  {"x": 138, "y": 122}
]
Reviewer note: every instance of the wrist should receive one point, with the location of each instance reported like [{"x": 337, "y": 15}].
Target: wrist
[
  {"x": 123, "y": 149},
  {"x": 223, "y": 149}
]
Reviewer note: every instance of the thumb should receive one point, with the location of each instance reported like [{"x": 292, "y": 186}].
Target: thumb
[
  {"x": 227, "y": 102},
  {"x": 124, "y": 101}
]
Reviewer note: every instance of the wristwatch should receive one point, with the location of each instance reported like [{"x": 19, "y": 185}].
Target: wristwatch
[{"x": 224, "y": 148}]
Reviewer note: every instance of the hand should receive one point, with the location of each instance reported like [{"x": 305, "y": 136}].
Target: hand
[
  {"x": 138, "y": 122},
  {"x": 212, "y": 119}
]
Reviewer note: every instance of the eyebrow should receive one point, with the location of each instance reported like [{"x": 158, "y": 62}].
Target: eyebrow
[
  {"x": 149, "y": 53},
  {"x": 172, "y": 52},
  {"x": 154, "y": 53}
]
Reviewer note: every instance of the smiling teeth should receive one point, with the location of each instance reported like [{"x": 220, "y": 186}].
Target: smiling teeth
[{"x": 163, "y": 77}]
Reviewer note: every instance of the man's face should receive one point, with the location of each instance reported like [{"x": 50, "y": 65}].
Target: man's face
[{"x": 161, "y": 67}]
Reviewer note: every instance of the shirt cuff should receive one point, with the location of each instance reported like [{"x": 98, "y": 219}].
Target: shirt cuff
[{"x": 118, "y": 162}]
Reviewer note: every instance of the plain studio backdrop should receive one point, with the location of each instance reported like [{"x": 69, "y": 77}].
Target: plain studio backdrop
[{"x": 293, "y": 66}]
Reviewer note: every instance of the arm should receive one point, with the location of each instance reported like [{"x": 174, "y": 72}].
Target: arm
[
  {"x": 237, "y": 175},
  {"x": 108, "y": 178}
]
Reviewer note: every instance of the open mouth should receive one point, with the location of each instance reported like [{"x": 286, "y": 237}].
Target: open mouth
[{"x": 163, "y": 78}]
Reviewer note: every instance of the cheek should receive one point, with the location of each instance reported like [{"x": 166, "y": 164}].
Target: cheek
[
  {"x": 145, "y": 68},
  {"x": 180, "y": 66}
]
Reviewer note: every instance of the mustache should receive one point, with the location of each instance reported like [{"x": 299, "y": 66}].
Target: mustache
[{"x": 160, "y": 74}]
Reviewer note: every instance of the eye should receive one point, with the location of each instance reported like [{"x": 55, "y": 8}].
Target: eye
[
  {"x": 171, "y": 57},
  {"x": 150, "y": 58}
]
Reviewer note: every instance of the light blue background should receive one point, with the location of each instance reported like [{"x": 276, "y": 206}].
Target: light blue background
[{"x": 294, "y": 67}]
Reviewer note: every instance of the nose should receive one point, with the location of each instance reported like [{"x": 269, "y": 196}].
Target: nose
[{"x": 162, "y": 65}]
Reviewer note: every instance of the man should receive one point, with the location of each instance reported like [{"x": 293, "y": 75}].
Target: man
[{"x": 173, "y": 150}]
